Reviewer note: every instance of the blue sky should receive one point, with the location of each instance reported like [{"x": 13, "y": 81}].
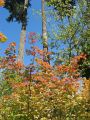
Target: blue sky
[{"x": 12, "y": 30}]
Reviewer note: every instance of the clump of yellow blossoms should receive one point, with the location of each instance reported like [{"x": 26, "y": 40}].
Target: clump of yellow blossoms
[{"x": 3, "y": 38}]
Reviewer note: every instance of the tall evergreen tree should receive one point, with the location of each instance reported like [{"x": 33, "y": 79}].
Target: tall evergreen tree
[{"x": 18, "y": 12}]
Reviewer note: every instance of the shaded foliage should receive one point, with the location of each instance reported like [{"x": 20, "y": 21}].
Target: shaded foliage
[{"x": 16, "y": 10}]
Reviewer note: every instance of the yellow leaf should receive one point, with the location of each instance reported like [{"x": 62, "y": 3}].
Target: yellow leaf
[
  {"x": 3, "y": 38},
  {"x": 2, "y": 2}
]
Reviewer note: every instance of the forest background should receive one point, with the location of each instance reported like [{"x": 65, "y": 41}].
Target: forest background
[{"x": 46, "y": 74}]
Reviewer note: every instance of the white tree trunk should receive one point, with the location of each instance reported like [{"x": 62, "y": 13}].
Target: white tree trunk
[
  {"x": 44, "y": 33},
  {"x": 22, "y": 37}
]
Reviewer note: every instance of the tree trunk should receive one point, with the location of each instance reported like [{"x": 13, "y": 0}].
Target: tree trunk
[
  {"x": 23, "y": 33},
  {"x": 44, "y": 33}
]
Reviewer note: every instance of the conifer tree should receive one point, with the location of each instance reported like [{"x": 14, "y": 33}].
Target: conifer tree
[{"x": 18, "y": 12}]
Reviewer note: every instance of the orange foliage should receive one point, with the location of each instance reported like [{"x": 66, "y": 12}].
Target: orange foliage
[
  {"x": 62, "y": 78},
  {"x": 12, "y": 44},
  {"x": 77, "y": 58},
  {"x": 45, "y": 65},
  {"x": 20, "y": 84},
  {"x": 40, "y": 52},
  {"x": 2, "y": 2},
  {"x": 19, "y": 65}
]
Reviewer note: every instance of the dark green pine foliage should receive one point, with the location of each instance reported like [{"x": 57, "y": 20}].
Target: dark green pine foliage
[{"x": 16, "y": 10}]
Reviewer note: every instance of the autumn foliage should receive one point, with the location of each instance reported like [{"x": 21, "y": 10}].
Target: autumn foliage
[
  {"x": 55, "y": 90},
  {"x": 2, "y": 2},
  {"x": 40, "y": 91},
  {"x": 3, "y": 38}
]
